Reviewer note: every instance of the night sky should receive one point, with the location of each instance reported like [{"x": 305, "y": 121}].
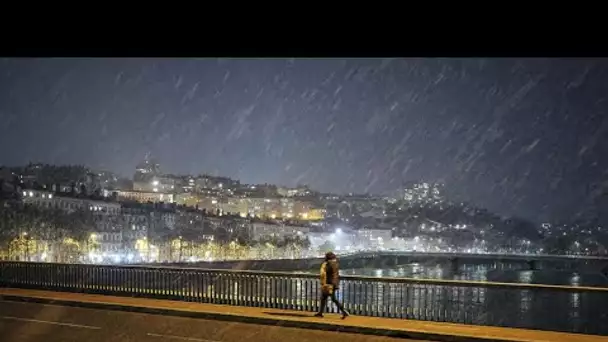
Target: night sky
[{"x": 517, "y": 136}]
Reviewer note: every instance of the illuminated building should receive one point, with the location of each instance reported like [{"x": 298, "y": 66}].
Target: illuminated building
[
  {"x": 202, "y": 201},
  {"x": 261, "y": 230},
  {"x": 374, "y": 238},
  {"x": 49, "y": 200},
  {"x": 292, "y": 192},
  {"x": 164, "y": 184},
  {"x": 419, "y": 193},
  {"x": 148, "y": 167},
  {"x": 144, "y": 196},
  {"x": 271, "y": 208},
  {"x": 314, "y": 214}
]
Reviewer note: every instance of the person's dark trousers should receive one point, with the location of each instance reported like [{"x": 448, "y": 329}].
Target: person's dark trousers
[{"x": 324, "y": 297}]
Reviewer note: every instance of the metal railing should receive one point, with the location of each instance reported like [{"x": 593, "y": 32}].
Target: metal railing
[{"x": 546, "y": 307}]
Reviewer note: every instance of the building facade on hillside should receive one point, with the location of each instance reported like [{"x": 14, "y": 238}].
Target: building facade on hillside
[
  {"x": 271, "y": 208},
  {"x": 418, "y": 193},
  {"x": 162, "y": 184},
  {"x": 49, "y": 200},
  {"x": 107, "y": 179},
  {"x": 345, "y": 207},
  {"x": 292, "y": 192},
  {"x": 349, "y": 240},
  {"x": 141, "y": 196},
  {"x": 262, "y": 207},
  {"x": 374, "y": 238},
  {"x": 207, "y": 202},
  {"x": 229, "y": 228},
  {"x": 266, "y": 230},
  {"x": 216, "y": 183},
  {"x": 340, "y": 241},
  {"x": 147, "y": 167},
  {"x": 128, "y": 236},
  {"x": 109, "y": 243}
]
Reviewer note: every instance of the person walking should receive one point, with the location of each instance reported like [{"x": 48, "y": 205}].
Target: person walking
[{"x": 330, "y": 281}]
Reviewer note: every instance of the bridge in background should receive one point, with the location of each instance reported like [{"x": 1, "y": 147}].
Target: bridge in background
[
  {"x": 388, "y": 259},
  {"x": 455, "y": 260},
  {"x": 571, "y": 309}
]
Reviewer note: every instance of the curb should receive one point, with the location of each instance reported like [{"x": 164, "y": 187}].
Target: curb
[{"x": 257, "y": 320}]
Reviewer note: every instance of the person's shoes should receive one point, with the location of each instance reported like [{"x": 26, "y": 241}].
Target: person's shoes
[
  {"x": 345, "y": 314},
  {"x": 318, "y": 314}
]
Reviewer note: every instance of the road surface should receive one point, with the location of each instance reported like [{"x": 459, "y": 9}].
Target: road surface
[{"x": 30, "y": 322}]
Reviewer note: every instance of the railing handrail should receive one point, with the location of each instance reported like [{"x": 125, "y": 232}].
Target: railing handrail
[{"x": 438, "y": 282}]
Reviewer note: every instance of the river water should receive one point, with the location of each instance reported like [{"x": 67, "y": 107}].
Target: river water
[
  {"x": 485, "y": 273},
  {"x": 568, "y": 311}
]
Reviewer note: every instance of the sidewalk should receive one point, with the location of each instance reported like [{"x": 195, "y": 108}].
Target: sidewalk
[{"x": 421, "y": 330}]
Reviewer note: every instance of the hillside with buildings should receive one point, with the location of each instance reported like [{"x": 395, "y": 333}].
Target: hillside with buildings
[{"x": 74, "y": 214}]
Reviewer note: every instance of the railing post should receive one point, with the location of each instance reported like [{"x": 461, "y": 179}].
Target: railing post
[
  {"x": 3, "y": 274},
  {"x": 454, "y": 265}
]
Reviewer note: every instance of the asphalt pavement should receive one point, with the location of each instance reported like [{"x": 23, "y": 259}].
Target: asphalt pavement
[{"x": 31, "y": 322}]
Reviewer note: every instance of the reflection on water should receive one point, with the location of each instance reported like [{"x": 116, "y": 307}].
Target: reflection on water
[
  {"x": 525, "y": 277},
  {"x": 545, "y": 309},
  {"x": 575, "y": 280},
  {"x": 484, "y": 273},
  {"x": 405, "y": 271}
]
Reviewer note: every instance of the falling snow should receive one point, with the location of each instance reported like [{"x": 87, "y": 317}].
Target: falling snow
[{"x": 517, "y": 136}]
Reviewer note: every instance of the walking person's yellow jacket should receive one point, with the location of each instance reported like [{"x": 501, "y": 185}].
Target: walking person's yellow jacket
[{"x": 329, "y": 276}]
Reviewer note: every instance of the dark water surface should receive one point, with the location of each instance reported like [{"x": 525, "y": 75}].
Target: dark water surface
[{"x": 486, "y": 273}]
